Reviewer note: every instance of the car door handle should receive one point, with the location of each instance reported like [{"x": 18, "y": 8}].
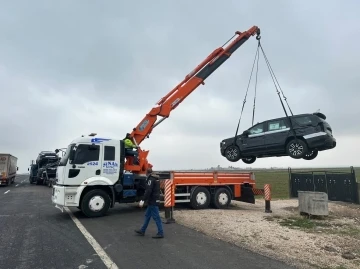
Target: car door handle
[{"x": 97, "y": 172}]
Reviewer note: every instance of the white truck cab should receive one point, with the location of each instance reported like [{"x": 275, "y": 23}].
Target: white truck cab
[{"x": 90, "y": 176}]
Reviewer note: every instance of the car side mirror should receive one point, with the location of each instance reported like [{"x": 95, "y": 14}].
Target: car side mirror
[
  {"x": 28, "y": 169},
  {"x": 246, "y": 133},
  {"x": 56, "y": 151},
  {"x": 17, "y": 168}
]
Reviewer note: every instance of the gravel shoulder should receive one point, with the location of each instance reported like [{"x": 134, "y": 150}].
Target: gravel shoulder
[{"x": 328, "y": 242}]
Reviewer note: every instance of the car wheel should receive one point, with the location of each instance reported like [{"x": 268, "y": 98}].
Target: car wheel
[
  {"x": 249, "y": 160},
  {"x": 95, "y": 203},
  {"x": 311, "y": 155},
  {"x": 296, "y": 148},
  {"x": 232, "y": 153},
  {"x": 221, "y": 198},
  {"x": 200, "y": 199}
]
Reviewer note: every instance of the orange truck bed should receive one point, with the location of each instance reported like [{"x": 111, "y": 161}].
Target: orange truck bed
[{"x": 208, "y": 188}]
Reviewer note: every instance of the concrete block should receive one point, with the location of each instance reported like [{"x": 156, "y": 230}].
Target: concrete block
[{"x": 313, "y": 203}]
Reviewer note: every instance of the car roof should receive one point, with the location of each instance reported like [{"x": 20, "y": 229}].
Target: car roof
[{"x": 284, "y": 117}]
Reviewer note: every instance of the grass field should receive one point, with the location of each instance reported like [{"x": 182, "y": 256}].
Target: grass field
[{"x": 279, "y": 179}]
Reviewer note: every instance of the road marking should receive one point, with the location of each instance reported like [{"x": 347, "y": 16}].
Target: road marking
[
  {"x": 17, "y": 185},
  {"x": 6, "y": 192},
  {"x": 99, "y": 250}
]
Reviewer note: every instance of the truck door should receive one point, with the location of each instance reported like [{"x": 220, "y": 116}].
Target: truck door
[
  {"x": 111, "y": 163},
  {"x": 276, "y": 135},
  {"x": 85, "y": 164}
]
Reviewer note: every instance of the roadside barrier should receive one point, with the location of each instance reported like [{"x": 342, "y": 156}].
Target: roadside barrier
[
  {"x": 266, "y": 192},
  {"x": 169, "y": 201}
]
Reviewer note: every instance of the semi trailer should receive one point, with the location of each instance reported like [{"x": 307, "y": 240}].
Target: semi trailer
[{"x": 8, "y": 168}]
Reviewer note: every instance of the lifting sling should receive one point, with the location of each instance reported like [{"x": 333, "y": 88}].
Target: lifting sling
[{"x": 276, "y": 84}]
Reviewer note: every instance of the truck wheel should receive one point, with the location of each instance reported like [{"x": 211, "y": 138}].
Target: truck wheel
[
  {"x": 221, "y": 198},
  {"x": 200, "y": 199},
  {"x": 232, "y": 153},
  {"x": 296, "y": 148},
  {"x": 95, "y": 203}
]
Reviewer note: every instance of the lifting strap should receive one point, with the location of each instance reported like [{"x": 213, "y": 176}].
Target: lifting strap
[
  {"x": 256, "y": 79},
  {"x": 256, "y": 59},
  {"x": 278, "y": 92},
  {"x": 276, "y": 84}
]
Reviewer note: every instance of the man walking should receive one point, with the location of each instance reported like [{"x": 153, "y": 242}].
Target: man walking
[{"x": 152, "y": 197}]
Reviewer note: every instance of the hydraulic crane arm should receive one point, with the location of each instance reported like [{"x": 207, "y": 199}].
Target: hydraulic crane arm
[{"x": 196, "y": 77}]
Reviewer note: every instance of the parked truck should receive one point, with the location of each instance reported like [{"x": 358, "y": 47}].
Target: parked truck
[
  {"x": 96, "y": 172},
  {"x": 38, "y": 167},
  {"x": 8, "y": 168}
]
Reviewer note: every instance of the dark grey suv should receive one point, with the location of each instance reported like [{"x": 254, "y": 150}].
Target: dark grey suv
[{"x": 274, "y": 138}]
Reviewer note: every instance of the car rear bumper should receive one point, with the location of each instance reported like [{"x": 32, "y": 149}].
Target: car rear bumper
[{"x": 322, "y": 142}]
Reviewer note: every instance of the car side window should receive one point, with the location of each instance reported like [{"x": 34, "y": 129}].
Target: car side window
[
  {"x": 304, "y": 120},
  {"x": 83, "y": 154},
  {"x": 257, "y": 129},
  {"x": 276, "y": 125}
]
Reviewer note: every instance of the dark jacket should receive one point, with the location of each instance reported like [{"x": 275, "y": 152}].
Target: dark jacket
[{"x": 152, "y": 193}]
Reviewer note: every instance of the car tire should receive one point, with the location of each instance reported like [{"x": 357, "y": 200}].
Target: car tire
[
  {"x": 200, "y": 198},
  {"x": 221, "y": 199},
  {"x": 296, "y": 148},
  {"x": 232, "y": 153},
  {"x": 311, "y": 155},
  {"x": 249, "y": 160},
  {"x": 99, "y": 200}
]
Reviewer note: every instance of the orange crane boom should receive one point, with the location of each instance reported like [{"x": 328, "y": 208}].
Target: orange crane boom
[{"x": 170, "y": 101}]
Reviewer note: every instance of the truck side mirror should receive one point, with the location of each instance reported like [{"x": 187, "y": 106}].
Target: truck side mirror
[
  {"x": 28, "y": 169},
  {"x": 72, "y": 154},
  {"x": 17, "y": 168}
]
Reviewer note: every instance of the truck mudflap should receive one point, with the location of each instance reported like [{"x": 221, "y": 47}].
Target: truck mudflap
[
  {"x": 247, "y": 195},
  {"x": 60, "y": 207}
]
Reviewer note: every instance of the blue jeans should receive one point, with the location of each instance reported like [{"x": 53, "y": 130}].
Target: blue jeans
[{"x": 152, "y": 211}]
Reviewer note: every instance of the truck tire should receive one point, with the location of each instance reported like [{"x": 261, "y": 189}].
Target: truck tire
[
  {"x": 95, "y": 203},
  {"x": 221, "y": 198},
  {"x": 200, "y": 198}
]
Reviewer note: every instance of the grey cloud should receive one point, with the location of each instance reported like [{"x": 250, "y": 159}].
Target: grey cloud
[{"x": 128, "y": 55}]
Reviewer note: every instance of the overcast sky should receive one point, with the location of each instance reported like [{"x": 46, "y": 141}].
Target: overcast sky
[{"x": 69, "y": 68}]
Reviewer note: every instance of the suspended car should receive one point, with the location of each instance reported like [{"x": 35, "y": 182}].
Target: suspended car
[{"x": 297, "y": 136}]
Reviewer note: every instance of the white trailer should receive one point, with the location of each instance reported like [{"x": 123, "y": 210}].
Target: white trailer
[{"x": 8, "y": 168}]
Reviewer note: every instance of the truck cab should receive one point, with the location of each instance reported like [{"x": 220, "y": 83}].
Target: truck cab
[{"x": 91, "y": 176}]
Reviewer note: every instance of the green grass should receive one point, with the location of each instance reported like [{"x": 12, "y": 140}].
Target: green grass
[
  {"x": 302, "y": 222},
  {"x": 279, "y": 179}
]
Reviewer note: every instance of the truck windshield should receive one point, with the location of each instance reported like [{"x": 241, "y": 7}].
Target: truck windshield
[{"x": 65, "y": 158}]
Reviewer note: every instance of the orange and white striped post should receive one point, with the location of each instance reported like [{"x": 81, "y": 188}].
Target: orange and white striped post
[
  {"x": 267, "y": 196},
  {"x": 169, "y": 201}
]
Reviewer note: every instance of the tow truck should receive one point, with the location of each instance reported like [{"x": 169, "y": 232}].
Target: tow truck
[{"x": 94, "y": 173}]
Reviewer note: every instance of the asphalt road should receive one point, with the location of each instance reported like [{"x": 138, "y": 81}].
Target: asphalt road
[{"x": 36, "y": 235}]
